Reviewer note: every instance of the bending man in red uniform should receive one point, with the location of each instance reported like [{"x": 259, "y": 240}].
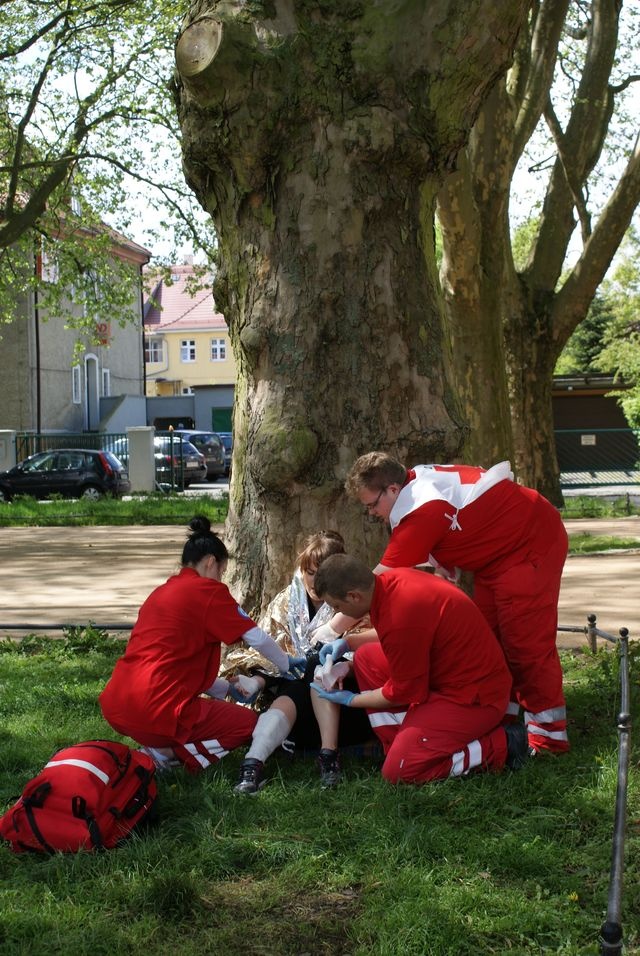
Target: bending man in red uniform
[
  {"x": 436, "y": 684},
  {"x": 173, "y": 657},
  {"x": 513, "y": 539}
]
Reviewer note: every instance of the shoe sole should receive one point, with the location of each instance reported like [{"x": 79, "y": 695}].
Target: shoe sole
[
  {"x": 250, "y": 793},
  {"x": 330, "y": 784}
]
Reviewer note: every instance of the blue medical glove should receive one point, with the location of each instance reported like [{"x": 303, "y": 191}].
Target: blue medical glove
[
  {"x": 343, "y": 697},
  {"x": 336, "y": 648},
  {"x": 236, "y": 694},
  {"x": 297, "y": 667}
]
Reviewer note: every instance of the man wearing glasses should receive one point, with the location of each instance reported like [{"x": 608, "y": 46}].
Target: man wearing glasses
[{"x": 463, "y": 518}]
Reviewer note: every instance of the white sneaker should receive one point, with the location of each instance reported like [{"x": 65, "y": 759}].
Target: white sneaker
[{"x": 161, "y": 760}]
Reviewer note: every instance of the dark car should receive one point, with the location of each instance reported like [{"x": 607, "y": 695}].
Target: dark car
[
  {"x": 209, "y": 445},
  {"x": 227, "y": 440},
  {"x": 187, "y": 462},
  {"x": 71, "y": 472}
]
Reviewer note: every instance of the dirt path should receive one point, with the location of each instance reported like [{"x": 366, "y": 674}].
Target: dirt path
[{"x": 54, "y": 576}]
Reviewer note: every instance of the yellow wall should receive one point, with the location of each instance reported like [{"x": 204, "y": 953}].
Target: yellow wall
[{"x": 203, "y": 371}]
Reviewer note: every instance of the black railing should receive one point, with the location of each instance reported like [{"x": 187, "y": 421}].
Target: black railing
[{"x": 611, "y": 936}]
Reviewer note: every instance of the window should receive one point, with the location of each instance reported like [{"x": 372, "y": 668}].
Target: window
[
  {"x": 187, "y": 390},
  {"x": 106, "y": 382},
  {"x": 49, "y": 270},
  {"x": 218, "y": 350},
  {"x": 188, "y": 350},
  {"x": 76, "y": 385},
  {"x": 44, "y": 462},
  {"x": 153, "y": 350},
  {"x": 92, "y": 292}
]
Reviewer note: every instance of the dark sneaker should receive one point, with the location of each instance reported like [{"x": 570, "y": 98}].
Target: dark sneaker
[
  {"x": 517, "y": 746},
  {"x": 250, "y": 780},
  {"x": 329, "y": 765}
]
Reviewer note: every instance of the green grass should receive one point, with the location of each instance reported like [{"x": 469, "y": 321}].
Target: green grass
[
  {"x": 140, "y": 510},
  {"x": 585, "y": 543},
  {"x": 175, "y": 509},
  {"x": 587, "y": 506},
  {"x": 513, "y": 863}
]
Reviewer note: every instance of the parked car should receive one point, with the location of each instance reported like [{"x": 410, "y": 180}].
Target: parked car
[
  {"x": 71, "y": 472},
  {"x": 210, "y": 445},
  {"x": 227, "y": 440},
  {"x": 187, "y": 462}
]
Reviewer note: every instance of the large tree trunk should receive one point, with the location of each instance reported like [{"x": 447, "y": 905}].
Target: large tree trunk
[
  {"x": 318, "y": 140},
  {"x": 478, "y": 279},
  {"x": 531, "y": 354}
]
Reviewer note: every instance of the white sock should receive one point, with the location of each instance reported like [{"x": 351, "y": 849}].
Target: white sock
[{"x": 270, "y": 731}]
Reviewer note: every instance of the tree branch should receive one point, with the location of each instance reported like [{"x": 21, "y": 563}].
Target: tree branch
[
  {"x": 547, "y": 30},
  {"x": 112, "y": 7},
  {"x": 582, "y": 145},
  {"x": 573, "y": 300},
  {"x": 573, "y": 183}
]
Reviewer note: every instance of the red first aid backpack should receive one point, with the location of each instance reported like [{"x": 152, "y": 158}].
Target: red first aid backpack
[{"x": 89, "y": 796}]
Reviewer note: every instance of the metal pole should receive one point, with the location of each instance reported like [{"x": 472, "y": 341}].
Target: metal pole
[
  {"x": 173, "y": 481},
  {"x": 611, "y": 929}
]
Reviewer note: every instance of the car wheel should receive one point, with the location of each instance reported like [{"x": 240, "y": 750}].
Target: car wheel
[
  {"x": 91, "y": 493},
  {"x": 4, "y": 495}
]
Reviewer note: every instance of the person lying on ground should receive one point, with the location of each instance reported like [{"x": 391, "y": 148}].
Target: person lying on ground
[{"x": 291, "y": 715}]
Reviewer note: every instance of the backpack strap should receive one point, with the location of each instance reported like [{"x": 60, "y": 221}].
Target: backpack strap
[
  {"x": 79, "y": 810},
  {"x": 36, "y": 799},
  {"x": 139, "y": 798}
]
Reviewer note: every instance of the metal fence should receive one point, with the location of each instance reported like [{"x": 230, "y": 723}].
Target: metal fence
[
  {"x": 168, "y": 478},
  {"x": 598, "y": 456},
  {"x": 611, "y": 935},
  {"x": 30, "y": 443}
]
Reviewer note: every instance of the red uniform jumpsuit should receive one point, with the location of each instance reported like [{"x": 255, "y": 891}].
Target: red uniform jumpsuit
[
  {"x": 514, "y": 541},
  {"x": 173, "y": 656},
  {"x": 438, "y": 655}
]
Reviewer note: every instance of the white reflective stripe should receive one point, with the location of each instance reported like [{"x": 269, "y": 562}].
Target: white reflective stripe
[
  {"x": 546, "y": 716},
  {"x": 513, "y": 707},
  {"x": 475, "y": 754},
  {"x": 385, "y": 718},
  {"x": 211, "y": 746},
  {"x": 84, "y": 764},
  {"x": 551, "y": 734},
  {"x": 215, "y": 747},
  {"x": 457, "y": 764}
]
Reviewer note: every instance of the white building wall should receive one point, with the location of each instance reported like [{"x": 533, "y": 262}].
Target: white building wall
[{"x": 123, "y": 357}]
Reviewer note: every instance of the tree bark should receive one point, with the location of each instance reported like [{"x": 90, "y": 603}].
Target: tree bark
[{"x": 317, "y": 139}]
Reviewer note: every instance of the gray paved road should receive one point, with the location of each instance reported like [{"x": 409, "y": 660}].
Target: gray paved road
[{"x": 52, "y": 576}]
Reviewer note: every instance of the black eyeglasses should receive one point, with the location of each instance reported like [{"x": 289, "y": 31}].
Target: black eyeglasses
[{"x": 370, "y": 505}]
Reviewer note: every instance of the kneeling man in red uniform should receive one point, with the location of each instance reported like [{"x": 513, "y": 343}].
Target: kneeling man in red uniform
[{"x": 436, "y": 685}]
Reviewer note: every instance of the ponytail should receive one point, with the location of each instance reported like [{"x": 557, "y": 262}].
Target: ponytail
[{"x": 202, "y": 542}]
